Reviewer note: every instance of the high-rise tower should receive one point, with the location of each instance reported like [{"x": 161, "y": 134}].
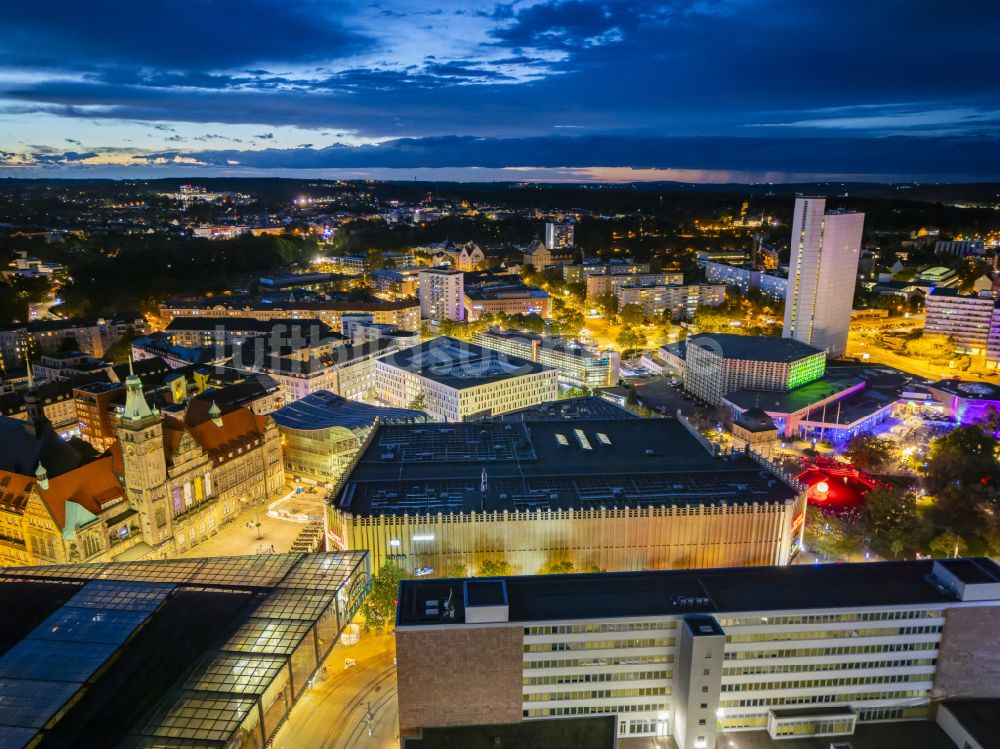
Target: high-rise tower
[{"x": 825, "y": 247}]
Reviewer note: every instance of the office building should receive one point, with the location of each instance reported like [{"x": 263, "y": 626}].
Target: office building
[
  {"x": 497, "y": 298},
  {"x": 617, "y": 494},
  {"x": 825, "y": 249},
  {"x": 322, "y": 432},
  {"x": 967, "y": 319},
  {"x": 20, "y": 342},
  {"x": 579, "y": 272},
  {"x": 711, "y": 658},
  {"x": 959, "y": 248},
  {"x": 208, "y": 652},
  {"x": 441, "y": 293},
  {"x": 578, "y": 365},
  {"x": 716, "y": 364},
  {"x": 457, "y": 381},
  {"x": 559, "y": 235},
  {"x": 746, "y": 277}
]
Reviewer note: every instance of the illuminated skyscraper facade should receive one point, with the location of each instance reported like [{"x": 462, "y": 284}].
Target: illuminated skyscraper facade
[{"x": 825, "y": 247}]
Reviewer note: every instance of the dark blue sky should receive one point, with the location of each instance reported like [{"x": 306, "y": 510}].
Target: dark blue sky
[{"x": 706, "y": 90}]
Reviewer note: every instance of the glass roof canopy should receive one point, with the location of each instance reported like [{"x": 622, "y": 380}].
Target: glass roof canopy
[{"x": 228, "y": 698}]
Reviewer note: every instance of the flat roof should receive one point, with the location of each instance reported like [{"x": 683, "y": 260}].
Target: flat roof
[
  {"x": 325, "y": 410},
  {"x": 968, "y": 390},
  {"x": 539, "y": 598},
  {"x": 981, "y": 718},
  {"x": 754, "y": 347},
  {"x": 567, "y": 733},
  {"x": 792, "y": 401},
  {"x": 584, "y": 408},
  {"x": 538, "y": 465},
  {"x": 459, "y": 364},
  {"x": 182, "y": 638}
]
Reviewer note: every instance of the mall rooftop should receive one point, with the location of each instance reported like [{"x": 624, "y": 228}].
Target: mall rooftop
[
  {"x": 203, "y": 648},
  {"x": 549, "y": 464},
  {"x": 754, "y": 348},
  {"x": 540, "y": 598}
]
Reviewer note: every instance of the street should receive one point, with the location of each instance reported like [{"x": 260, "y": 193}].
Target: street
[{"x": 333, "y": 713}]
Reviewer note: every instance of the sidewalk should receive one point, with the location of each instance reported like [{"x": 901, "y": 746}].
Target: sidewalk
[{"x": 236, "y": 539}]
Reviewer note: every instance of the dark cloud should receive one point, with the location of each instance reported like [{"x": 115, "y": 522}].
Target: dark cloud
[
  {"x": 946, "y": 157},
  {"x": 194, "y": 35},
  {"x": 633, "y": 69}
]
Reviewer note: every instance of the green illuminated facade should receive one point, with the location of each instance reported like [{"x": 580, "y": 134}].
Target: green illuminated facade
[{"x": 806, "y": 370}]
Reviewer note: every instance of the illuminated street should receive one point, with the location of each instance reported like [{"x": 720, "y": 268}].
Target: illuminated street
[{"x": 332, "y": 714}]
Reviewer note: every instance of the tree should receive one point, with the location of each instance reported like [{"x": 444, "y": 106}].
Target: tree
[
  {"x": 837, "y": 536},
  {"x": 893, "y": 520},
  {"x": 948, "y": 544},
  {"x": 631, "y": 314},
  {"x": 607, "y": 303},
  {"x": 419, "y": 403},
  {"x": 562, "y": 567},
  {"x": 456, "y": 569},
  {"x": 868, "y": 452},
  {"x": 965, "y": 455},
  {"x": 493, "y": 568},
  {"x": 379, "y": 608},
  {"x": 593, "y": 569},
  {"x": 630, "y": 339}
]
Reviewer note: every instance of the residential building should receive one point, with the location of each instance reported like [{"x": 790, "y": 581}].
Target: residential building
[
  {"x": 578, "y": 365},
  {"x": 458, "y": 381},
  {"x": 396, "y": 283},
  {"x": 680, "y": 302},
  {"x": 403, "y": 313},
  {"x": 559, "y": 235},
  {"x": 599, "y": 284},
  {"x": 66, "y": 365},
  {"x": 747, "y": 277},
  {"x": 960, "y": 248},
  {"x": 200, "y": 652},
  {"x": 197, "y": 332},
  {"x": 734, "y": 657},
  {"x": 823, "y": 270},
  {"x": 441, "y": 293},
  {"x": 618, "y": 494},
  {"x": 967, "y": 319},
  {"x": 719, "y": 363},
  {"x": 27, "y": 341},
  {"x": 578, "y": 273},
  {"x": 323, "y": 432},
  {"x": 540, "y": 256},
  {"x": 466, "y": 258}
]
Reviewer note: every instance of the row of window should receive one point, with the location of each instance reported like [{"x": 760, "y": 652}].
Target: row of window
[
  {"x": 863, "y": 616},
  {"x": 818, "y": 683},
  {"x": 815, "y": 727},
  {"x": 831, "y": 634},
  {"x": 588, "y": 678},
  {"x": 550, "y": 712},
  {"x": 549, "y": 647},
  {"x": 598, "y": 694},
  {"x": 796, "y": 668},
  {"x": 575, "y": 629},
  {"x": 892, "y": 647},
  {"x": 623, "y": 660},
  {"x": 825, "y": 698}
]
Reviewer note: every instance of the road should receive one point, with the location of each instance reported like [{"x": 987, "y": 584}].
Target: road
[{"x": 333, "y": 713}]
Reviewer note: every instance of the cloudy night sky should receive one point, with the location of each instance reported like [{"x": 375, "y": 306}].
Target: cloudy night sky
[{"x": 692, "y": 90}]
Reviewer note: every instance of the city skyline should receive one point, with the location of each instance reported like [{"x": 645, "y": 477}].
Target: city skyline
[{"x": 560, "y": 90}]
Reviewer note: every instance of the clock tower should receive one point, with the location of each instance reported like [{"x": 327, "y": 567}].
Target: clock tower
[{"x": 140, "y": 432}]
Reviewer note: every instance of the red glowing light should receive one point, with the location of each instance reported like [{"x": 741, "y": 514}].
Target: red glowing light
[{"x": 822, "y": 487}]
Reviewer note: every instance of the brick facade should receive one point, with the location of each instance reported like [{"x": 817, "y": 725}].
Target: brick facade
[
  {"x": 969, "y": 660},
  {"x": 454, "y": 677}
]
